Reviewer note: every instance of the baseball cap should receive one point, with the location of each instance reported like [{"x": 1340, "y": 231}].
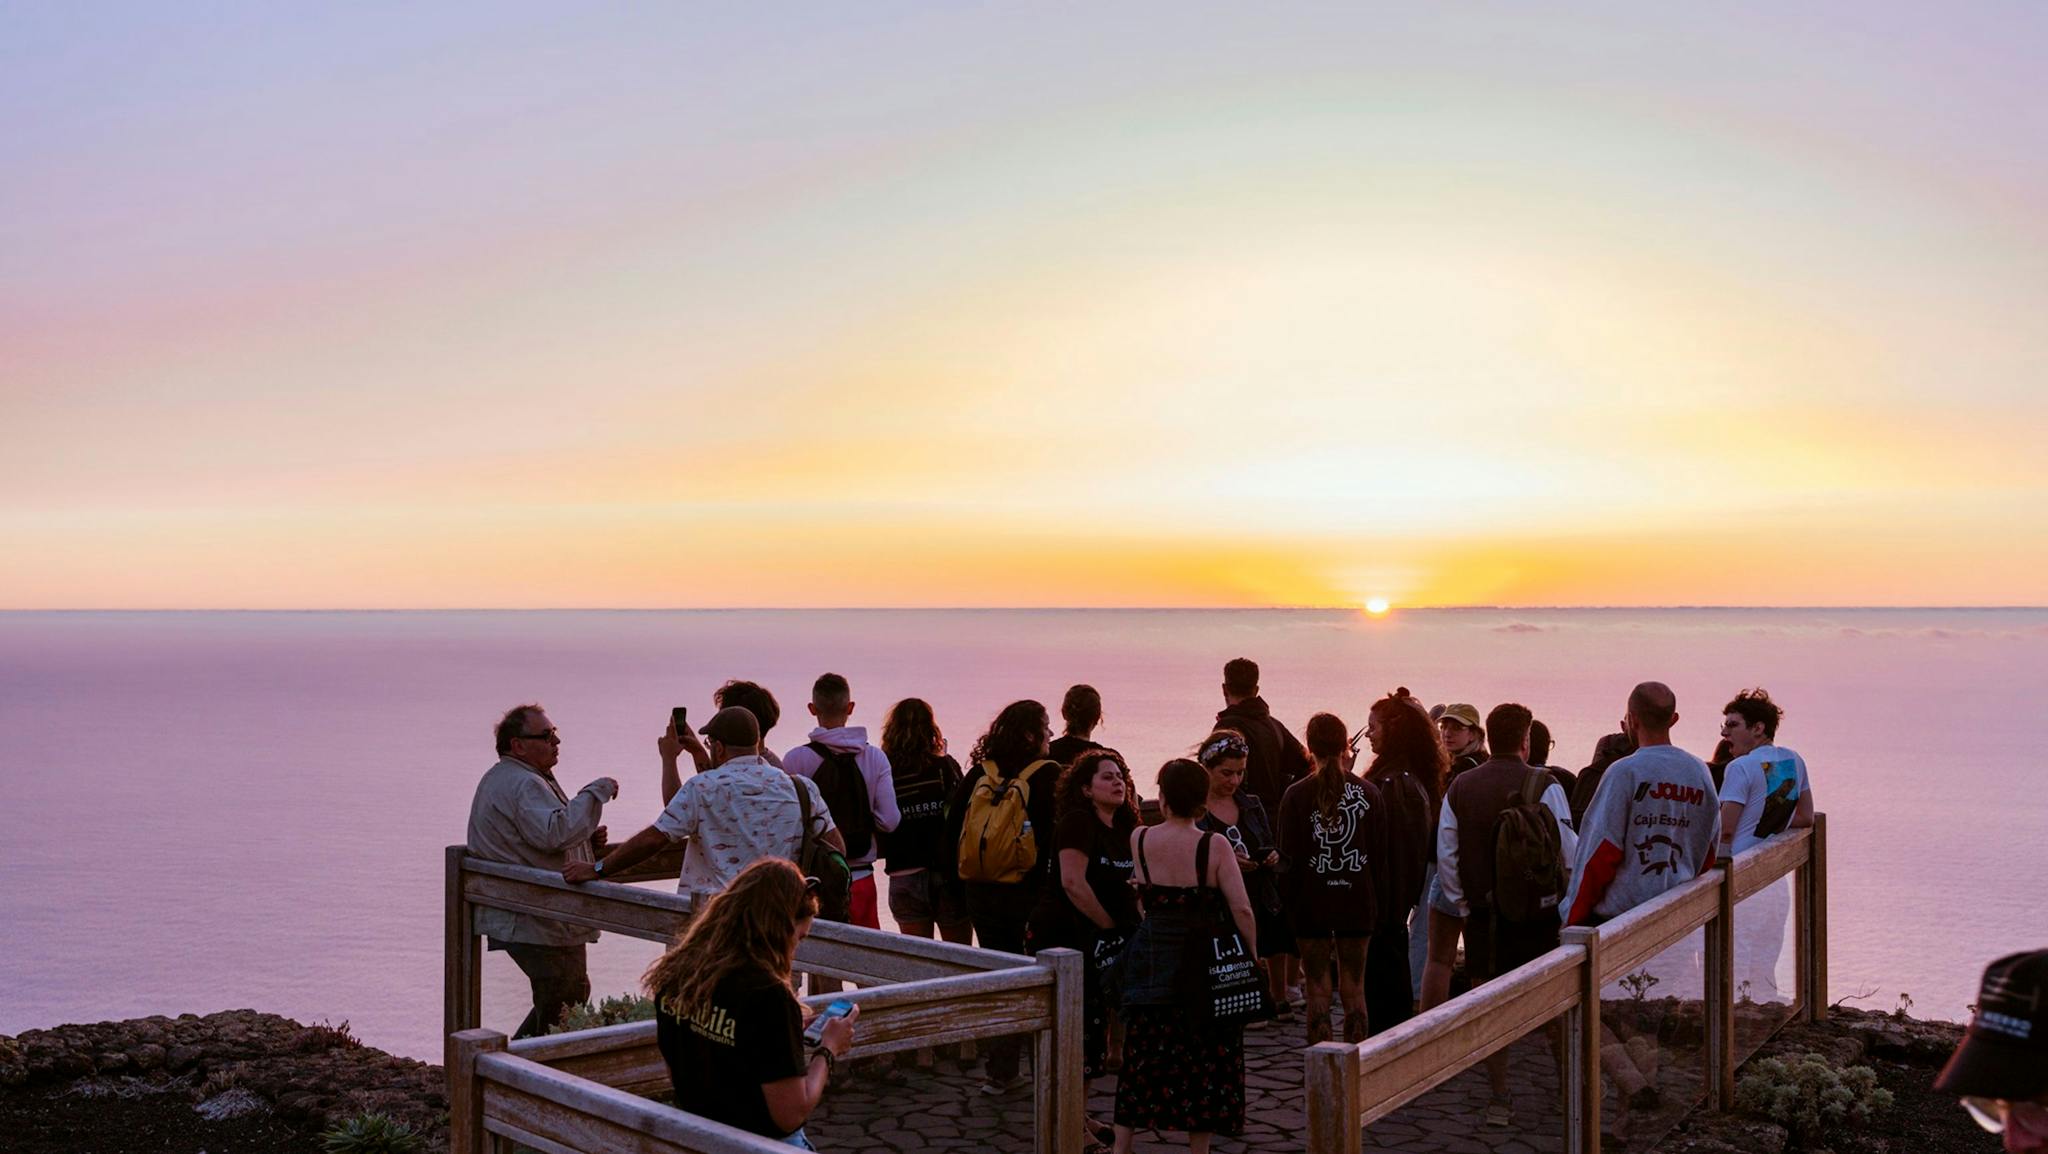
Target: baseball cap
[
  {"x": 1465, "y": 715},
  {"x": 734, "y": 725},
  {"x": 2005, "y": 1051}
]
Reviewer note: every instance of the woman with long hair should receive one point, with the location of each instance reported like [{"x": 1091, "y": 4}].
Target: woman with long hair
[
  {"x": 1092, "y": 907},
  {"x": 998, "y": 822},
  {"x": 1181, "y": 1072},
  {"x": 1406, "y": 753},
  {"x": 725, "y": 1020},
  {"x": 1239, "y": 815},
  {"x": 923, "y": 893},
  {"x": 1332, "y": 833}
]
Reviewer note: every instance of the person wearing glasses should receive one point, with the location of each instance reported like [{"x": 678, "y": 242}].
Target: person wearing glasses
[
  {"x": 521, "y": 816},
  {"x": 728, "y": 1027},
  {"x": 2001, "y": 1069}
]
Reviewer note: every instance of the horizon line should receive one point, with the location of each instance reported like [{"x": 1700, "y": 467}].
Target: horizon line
[{"x": 1391, "y": 611}]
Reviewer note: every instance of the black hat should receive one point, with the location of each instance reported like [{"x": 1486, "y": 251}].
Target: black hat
[{"x": 2005, "y": 1052}]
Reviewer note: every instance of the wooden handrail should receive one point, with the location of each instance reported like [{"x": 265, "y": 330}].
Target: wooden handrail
[{"x": 1353, "y": 1086}]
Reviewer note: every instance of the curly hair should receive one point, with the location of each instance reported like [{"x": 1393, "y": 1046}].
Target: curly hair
[
  {"x": 1067, "y": 795},
  {"x": 910, "y": 733},
  {"x": 1410, "y": 742},
  {"x": 1755, "y": 707},
  {"x": 755, "y": 699},
  {"x": 1015, "y": 738},
  {"x": 749, "y": 925}
]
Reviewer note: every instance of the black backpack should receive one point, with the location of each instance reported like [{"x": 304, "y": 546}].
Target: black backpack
[{"x": 839, "y": 780}]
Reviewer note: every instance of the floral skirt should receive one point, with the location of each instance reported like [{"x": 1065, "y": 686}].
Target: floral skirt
[{"x": 1180, "y": 1075}]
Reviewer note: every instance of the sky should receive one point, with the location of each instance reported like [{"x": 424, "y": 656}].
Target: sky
[{"x": 506, "y": 304}]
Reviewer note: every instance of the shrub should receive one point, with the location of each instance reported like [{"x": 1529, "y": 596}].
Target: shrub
[
  {"x": 609, "y": 1012},
  {"x": 1809, "y": 1096},
  {"x": 371, "y": 1133}
]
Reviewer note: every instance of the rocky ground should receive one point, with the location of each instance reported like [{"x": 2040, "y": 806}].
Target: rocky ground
[
  {"x": 241, "y": 1082},
  {"x": 236, "y": 1082}
]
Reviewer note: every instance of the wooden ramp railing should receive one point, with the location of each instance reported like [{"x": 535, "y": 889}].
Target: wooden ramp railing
[
  {"x": 1349, "y": 1087},
  {"x": 578, "y": 1091}
]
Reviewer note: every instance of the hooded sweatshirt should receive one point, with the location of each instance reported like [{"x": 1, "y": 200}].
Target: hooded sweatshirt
[
  {"x": 874, "y": 771},
  {"x": 1277, "y": 759},
  {"x": 1651, "y": 827}
]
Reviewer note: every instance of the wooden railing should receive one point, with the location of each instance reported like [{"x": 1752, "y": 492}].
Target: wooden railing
[
  {"x": 1349, "y": 1087},
  {"x": 577, "y": 1091}
]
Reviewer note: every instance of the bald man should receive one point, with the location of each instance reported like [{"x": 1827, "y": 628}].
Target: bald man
[{"x": 1653, "y": 824}]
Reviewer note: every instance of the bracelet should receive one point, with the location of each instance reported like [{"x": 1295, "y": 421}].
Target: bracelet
[{"x": 831, "y": 1059}]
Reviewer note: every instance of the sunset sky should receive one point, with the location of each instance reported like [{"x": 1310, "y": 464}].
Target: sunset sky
[{"x": 878, "y": 304}]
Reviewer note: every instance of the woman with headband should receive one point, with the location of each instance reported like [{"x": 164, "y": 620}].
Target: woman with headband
[{"x": 1239, "y": 815}]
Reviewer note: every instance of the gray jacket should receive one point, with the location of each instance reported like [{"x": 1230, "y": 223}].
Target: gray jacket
[{"x": 521, "y": 816}]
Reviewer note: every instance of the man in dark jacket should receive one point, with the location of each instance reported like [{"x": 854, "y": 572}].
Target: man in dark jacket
[{"x": 1277, "y": 759}]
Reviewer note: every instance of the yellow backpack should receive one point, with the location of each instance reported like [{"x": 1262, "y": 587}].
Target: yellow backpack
[{"x": 997, "y": 843}]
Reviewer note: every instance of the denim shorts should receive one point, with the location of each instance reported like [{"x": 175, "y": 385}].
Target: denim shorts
[{"x": 927, "y": 897}]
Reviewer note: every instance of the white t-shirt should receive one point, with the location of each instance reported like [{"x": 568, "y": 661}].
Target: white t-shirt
[
  {"x": 1753, "y": 778},
  {"x": 735, "y": 815}
]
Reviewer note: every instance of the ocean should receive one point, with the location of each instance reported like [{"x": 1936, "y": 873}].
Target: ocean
[{"x": 207, "y": 811}]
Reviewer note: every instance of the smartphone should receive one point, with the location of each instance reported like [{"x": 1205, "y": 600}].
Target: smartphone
[
  {"x": 680, "y": 718},
  {"x": 815, "y": 1032}
]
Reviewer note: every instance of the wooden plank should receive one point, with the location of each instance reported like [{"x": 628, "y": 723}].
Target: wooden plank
[
  {"x": 1416, "y": 1056},
  {"x": 550, "y": 880},
  {"x": 1720, "y": 996},
  {"x": 461, "y": 955},
  {"x": 962, "y": 958},
  {"x": 1761, "y": 865},
  {"x": 583, "y": 908},
  {"x": 1642, "y": 933},
  {"x": 465, "y": 1100},
  {"x": 1331, "y": 1077},
  {"x": 869, "y": 965},
  {"x": 1060, "y": 1078},
  {"x": 1582, "y": 1048},
  {"x": 1817, "y": 912},
  {"x": 585, "y": 1116}
]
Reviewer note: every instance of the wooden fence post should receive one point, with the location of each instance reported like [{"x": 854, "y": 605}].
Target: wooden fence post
[
  {"x": 1331, "y": 1081},
  {"x": 461, "y": 961},
  {"x": 1581, "y": 1076},
  {"x": 465, "y": 1092},
  {"x": 1061, "y": 1089},
  {"x": 1816, "y": 961},
  {"x": 1720, "y": 995}
]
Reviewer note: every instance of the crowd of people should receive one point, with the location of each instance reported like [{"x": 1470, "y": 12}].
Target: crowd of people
[{"x": 1353, "y": 865}]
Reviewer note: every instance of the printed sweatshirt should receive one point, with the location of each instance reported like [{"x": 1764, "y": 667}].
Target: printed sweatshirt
[
  {"x": 1652, "y": 826},
  {"x": 874, "y": 770}
]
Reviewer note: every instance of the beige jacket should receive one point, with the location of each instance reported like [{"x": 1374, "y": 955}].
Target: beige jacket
[{"x": 521, "y": 816}]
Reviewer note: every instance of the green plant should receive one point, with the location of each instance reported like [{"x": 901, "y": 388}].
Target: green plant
[
  {"x": 371, "y": 1133},
  {"x": 1810, "y": 1096},
  {"x": 609, "y": 1012},
  {"x": 1905, "y": 1003}
]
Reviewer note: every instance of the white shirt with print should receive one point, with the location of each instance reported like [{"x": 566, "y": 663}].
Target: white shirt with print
[{"x": 735, "y": 815}]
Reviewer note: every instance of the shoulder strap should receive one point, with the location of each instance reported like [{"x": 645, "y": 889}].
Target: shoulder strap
[
  {"x": 1202, "y": 858},
  {"x": 1142, "y": 863},
  {"x": 1535, "y": 785},
  {"x": 803, "y": 806}
]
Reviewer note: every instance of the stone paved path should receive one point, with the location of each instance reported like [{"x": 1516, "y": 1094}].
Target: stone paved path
[{"x": 941, "y": 1108}]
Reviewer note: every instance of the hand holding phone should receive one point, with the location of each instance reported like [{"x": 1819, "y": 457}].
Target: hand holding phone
[{"x": 814, "y": 1034}]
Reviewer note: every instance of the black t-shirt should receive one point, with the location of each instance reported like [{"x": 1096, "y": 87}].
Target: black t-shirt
[
  {"x": 1066, "y": 747},
  {"x": 1055, "y": 921},
  {"x": 919, "y": 839},
  {"x": 750, "y": 1033}
]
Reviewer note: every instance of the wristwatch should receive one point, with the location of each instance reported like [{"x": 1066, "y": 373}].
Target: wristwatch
[{"x": 597, "y": 867}]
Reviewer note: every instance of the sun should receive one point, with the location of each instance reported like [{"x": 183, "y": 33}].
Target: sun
[{"x": 1376, "y": 606}]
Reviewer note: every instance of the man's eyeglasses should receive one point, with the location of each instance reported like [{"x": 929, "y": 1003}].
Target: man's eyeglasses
[{"x": 549, "y": 735}]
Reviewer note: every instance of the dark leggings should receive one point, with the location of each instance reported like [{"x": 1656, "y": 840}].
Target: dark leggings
[
  {"x": 1389, "y": 996},
  {"x": 999, "y": 913}
]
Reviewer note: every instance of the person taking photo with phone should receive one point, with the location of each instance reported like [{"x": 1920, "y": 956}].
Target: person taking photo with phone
[{"x": 728, "y": 1026}]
